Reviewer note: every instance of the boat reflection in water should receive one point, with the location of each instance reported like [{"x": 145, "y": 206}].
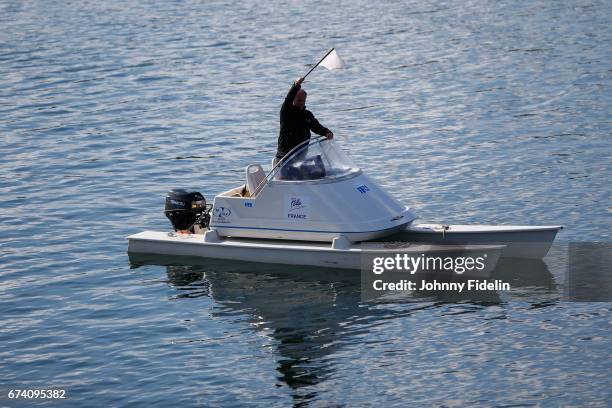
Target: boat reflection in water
[{"x": 313, "y": 313}]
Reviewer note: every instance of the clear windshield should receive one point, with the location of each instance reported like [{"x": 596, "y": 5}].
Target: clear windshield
[{"x": 321, "y": 159}]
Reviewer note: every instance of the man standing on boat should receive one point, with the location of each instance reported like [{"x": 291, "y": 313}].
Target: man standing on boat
[{"x": 296, "y": 121}]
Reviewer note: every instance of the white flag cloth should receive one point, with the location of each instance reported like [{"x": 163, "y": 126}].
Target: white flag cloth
[{"x": 333, "y": 61}]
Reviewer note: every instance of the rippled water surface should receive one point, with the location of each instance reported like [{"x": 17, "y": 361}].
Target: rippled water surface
[{"x": 469, "y": 111}]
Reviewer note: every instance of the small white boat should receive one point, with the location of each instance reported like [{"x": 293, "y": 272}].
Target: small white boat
[
  {"x": 316, "y": 194},
  {"x": 316, "y": 207}
]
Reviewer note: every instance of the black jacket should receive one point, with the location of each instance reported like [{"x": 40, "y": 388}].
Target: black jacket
[{"x": 295, "y": 124}]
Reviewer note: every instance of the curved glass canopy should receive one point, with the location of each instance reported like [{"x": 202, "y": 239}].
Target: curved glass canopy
[{"x": 321, "y": 159}]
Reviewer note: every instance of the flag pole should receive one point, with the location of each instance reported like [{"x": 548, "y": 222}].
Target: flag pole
[{"x": 311, "y": 69}]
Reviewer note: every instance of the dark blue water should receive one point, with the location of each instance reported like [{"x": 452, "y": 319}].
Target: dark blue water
[{"x": 490, "y": 112}]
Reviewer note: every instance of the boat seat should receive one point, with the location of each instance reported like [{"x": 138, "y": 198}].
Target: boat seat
[{"x": 255, "y": 175}]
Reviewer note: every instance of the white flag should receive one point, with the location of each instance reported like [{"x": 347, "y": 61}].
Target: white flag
[{"x": 333, "y": 61}]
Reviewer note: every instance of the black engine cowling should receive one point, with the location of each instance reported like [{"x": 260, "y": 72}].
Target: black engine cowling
[{"x": 185, "y": 208}]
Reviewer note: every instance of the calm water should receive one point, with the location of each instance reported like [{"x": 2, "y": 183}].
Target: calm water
[{"x": 476, "y": 111}]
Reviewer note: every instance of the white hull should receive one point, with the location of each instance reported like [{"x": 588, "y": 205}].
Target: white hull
[
  {"x": 305, "y": 235},
  {"x": 309, "y": 211},
  {"x": 295, "y": 252},
  {"x": 529, "y": 242}
]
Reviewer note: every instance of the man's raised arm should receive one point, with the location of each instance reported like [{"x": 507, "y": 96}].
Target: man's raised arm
[{"x": 292, "y": 92}]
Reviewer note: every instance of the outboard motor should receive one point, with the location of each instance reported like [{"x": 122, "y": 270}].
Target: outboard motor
[{"x": 187, "y": 210}]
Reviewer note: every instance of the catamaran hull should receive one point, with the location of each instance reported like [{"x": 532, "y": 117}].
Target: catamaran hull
[
  {"x": 299, "y": 253},
  {"x": 528, "y": 242}
]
